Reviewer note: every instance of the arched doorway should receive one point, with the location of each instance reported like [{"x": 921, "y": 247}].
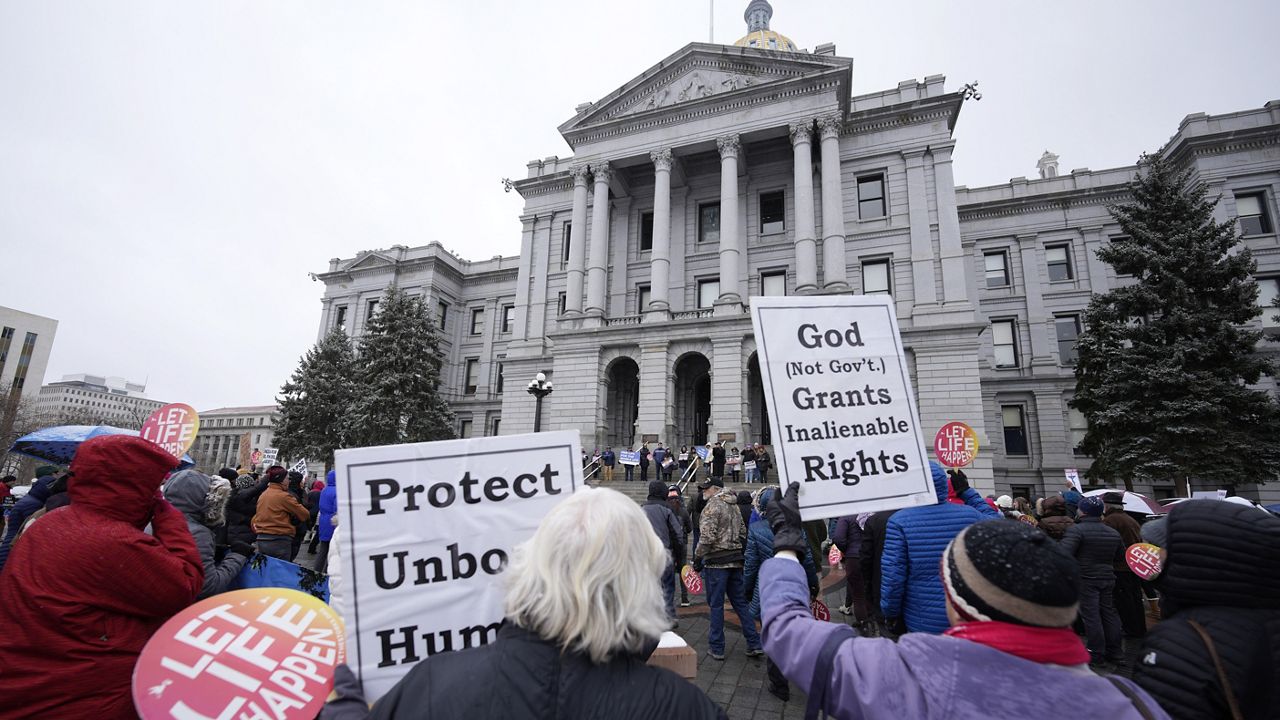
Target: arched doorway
[
  {"x": 758, "y": 406},
  {"x": 622, "y": 403},
  {"x": 692, "y": 399}
]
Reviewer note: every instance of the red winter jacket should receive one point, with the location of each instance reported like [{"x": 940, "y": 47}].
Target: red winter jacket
[{"x": 85, "y": 587}]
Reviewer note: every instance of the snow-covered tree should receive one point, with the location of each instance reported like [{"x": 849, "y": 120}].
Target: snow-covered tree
[
  {"x": 1165, "y": 364},
  {"x": 398, "y": 376},
  {"x": 316, "y": 402}
]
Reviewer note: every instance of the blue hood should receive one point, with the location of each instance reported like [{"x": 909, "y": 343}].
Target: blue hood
[
  {"x": 939, "y": 480},
  {"x": 331, "y": 480}
]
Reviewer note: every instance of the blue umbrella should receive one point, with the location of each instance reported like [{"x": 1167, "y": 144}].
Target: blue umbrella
[{"x": 58, "y": 444}]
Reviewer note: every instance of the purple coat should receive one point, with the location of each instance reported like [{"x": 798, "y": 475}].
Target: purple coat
[{"x": 925, "y": 676}]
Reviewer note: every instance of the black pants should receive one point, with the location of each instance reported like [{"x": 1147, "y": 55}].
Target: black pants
[
  {"x": 1129, "y": 604},
  {"x": 322, "y": 558},
  {"x": 1101, "y": 623},
  {"x": 777, "y": 681}
]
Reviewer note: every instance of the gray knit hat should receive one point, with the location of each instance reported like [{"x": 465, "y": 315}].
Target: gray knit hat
[{"x": 1011, "y": 572}]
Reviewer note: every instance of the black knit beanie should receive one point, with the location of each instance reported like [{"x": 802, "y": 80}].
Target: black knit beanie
[
  {"x": 1011, "y": 572},
  {"x": 229, "y": 474}
]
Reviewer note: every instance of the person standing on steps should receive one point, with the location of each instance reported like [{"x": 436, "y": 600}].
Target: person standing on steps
[{"x": 719, "y": 557}]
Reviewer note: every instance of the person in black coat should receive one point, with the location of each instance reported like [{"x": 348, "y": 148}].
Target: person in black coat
[
  {"x": 241, "y": 508},
  {"x": 717, "y": 461},
  {"x": 667, "y": 527},
  {"x": 678, "y": 555},
  {"x": 873, "y": 534},
  {"x": 1221, "y": 576},
  {"x": 1096, "y": 549},
  {"x": 575, "y": 639}
]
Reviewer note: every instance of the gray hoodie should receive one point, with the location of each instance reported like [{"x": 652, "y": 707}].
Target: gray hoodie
[{"x": 203, "y": 500}]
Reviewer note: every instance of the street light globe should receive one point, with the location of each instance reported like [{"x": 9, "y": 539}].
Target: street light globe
[{"x": 540, "y": 377}]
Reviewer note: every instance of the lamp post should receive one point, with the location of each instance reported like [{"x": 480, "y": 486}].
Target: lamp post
[{"x": 539, "y": 388}]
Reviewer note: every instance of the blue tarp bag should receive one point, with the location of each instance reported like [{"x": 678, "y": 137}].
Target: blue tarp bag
[{"x": 265, "y": 571}]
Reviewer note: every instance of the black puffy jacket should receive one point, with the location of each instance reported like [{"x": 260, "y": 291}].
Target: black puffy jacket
[
  {"x": 1223, "y": 572},
  {"x": 1095, "y": 547},
  {"x": 519, "y": 676},
  {"x": 241, "y": 508}
]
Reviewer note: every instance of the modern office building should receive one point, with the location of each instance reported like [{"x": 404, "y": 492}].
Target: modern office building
[
  {"x": 96, "y": 400},
  {"x": 724, "y": 173},
  {"x": 25, "y": 343}
]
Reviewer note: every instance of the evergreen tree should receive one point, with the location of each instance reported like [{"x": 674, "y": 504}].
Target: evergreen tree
[
  {"x": 316, "y": 401},
  {"x": 1165, "y": 363},
  {"x": 398, "y": 375}
]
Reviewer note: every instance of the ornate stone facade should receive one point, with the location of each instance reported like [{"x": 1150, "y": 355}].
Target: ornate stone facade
[{"x": 640, "y": 255}]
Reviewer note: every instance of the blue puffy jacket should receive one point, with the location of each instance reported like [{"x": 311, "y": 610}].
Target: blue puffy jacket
[
  {"x": 328, "y": 506},
  {"x": 911, "y": 583}
]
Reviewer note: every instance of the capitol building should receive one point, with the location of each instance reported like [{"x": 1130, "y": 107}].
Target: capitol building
[{"x": 728, "y": 172}]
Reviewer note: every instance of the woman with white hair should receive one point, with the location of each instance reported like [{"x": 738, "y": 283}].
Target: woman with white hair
[{"x": 581, "y": 619}]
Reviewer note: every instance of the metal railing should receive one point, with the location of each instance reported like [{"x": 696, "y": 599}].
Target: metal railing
[
  {"x": 591, "y": 468},
  {"x": 690, "y": 473}
]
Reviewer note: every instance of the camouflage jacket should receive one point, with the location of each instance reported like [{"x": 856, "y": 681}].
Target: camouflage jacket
[{"x": 722, "y": 534}]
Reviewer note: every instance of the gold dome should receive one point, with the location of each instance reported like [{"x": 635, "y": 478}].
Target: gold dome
[{"x": 766, "y": 40}]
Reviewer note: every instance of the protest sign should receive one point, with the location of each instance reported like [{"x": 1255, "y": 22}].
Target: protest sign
[
  {"x": 684, "y": 457},
  {"x": 703, "y": 452},
  {"x": 267, "y": 653},
  {"x": 269, "y": 456},
  {"x": 748, "y": 466},
  {"x": 841, "y": 405},
  {"x": 1145, "y": 560},
  {"x": 429, "y": 529},
  {"x": 691, "y": 579},
  {"x": 1073, "y": 477},
  {"x": 172, "y": 427},
  {"x": 256, "y": 457},
  {"x": 955, "y": 445},
  {"x": 246, "y": 450},
  {"x": 300, "y": 466},
  {"x": 834, "y": 556},
  {"x": 629, "y": 457},
  {"x": 820, "y": 610}
]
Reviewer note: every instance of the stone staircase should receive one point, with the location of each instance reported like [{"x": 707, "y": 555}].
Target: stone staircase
[{"x": 638, "y": 491}]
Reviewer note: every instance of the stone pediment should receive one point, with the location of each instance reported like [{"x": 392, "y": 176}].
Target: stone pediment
[
  {"x": 370, "y": 260},
  {"x": 703, "y": 73}
]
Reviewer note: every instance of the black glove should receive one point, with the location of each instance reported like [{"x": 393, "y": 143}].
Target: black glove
[
  {"x": 243, "y": 548},
  {"x": 783, "y": 515},
  {"x": 697, "y": 565},
  {"x": 895, "y": 625},
  {"x": 959, "y": 481}
]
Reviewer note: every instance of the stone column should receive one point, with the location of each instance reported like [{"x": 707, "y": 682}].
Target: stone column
[
  {"x": 577, "y": 244},
  {"x": 1037, "y": 318},
  {"x": 834, "y": 268},
  {"x": 660, "y": 260},
  {"x": 519, "y": 322},
  {"x": 955, "y": 275},
  {"x": 726, "y": 389},
  {"x": 805, "y": 235},
  {"x": 654, "y": 393},
  {"x": 597, "y": 275},
  {"x": 730, "y": 297},
  {"x": 922, "y": 277},
  {"x": 1098, "y": 281}
]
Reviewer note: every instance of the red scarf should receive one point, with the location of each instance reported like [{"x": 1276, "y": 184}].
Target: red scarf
[{"x": 1059, "y": 646}]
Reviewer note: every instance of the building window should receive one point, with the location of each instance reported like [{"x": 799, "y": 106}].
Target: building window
[
  {"x": 1059, "y": 259},
  {"x": 508, "y": 317},
  {"x": 24, "y": 361},
  {"x": 708, "y": 293},
  {"x": 709, "y": 222},
  {"x": 1068, "y": 327},
  {"x": 560, "y": 304},
  {"x": 564, "y": 243},
  {"x": 340, "y": 317},
  {"x": 773, "y": 212},
  {"x": 1015, "y": 430},
  {"x": 464, "y": 429},
  {"x": 773, "y": 284},
  {"x": 1268, "y": 290},
  {"x": 646, "y": 231},
  {"x": 1078, "y": 426},
  {"x": 1251, "y": 211},
  {"x": 370, "y": 310},
  {"x": 500, "y": 380},
  {"x": 477, "y": 320},
  {"x": 495, "y": 425},
  {"x": 6, "y": 339},
  {"x": 875, "y": 278},
  {"x": 442, "y": 314},
  {"x": 469, "y": 383},
  {"x": 997, "y": 269},
  {"x": 1004, "y": 336},
  {"x": 1166, "y": 492},
  {"x": 871, "y": 197},
  {"x": 1022, "y": 491},
  {"x": 642, "y": 298}
]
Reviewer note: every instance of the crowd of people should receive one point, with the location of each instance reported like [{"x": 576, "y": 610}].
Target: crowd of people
[{"x": 959, "y": 608}]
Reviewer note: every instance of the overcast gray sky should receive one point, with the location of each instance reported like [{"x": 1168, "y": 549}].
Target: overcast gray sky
[{"x": 171, "y": 171}]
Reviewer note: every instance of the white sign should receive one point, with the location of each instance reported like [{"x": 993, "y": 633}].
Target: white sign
[
  {"x": 841, "y": 406},
  {"x": 300, "y": 466},
  {"x": 269, "y": 456},
  {"x": 1073, "y": 477},
  {"x": 430, "y": 527}
]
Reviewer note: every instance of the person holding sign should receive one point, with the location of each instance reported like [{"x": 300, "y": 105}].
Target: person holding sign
[
  {"x": 581, "y": 619},
  {"x": 1011, "y": 595},
  {"x": 1216, "y": 653},
  {"x": 86, "y": 587},
  {"x": 911, "y": 594}
]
